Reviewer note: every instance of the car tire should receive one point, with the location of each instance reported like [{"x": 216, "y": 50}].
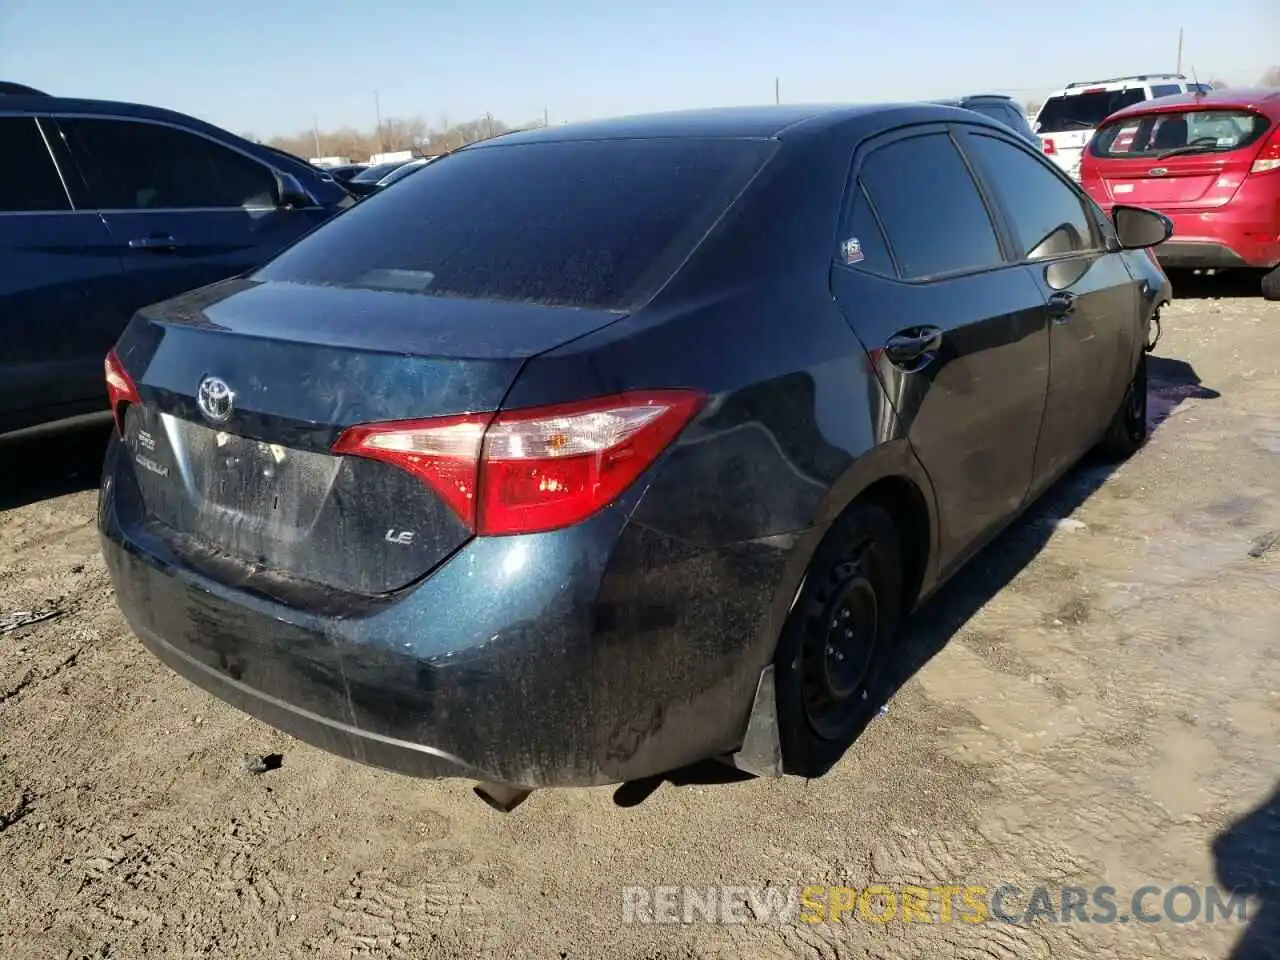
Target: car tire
[
  {"x": 1127, "y": 431},
  {"x": 1271, "y": 285},
  {"x": 836, "y": 639}
]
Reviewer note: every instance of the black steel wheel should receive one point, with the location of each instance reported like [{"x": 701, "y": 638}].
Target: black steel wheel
[
  {"x": 1127, "y": 431},
  {"x": 836, "y": 638}
]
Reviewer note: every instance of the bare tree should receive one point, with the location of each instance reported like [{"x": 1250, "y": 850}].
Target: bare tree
[
  {"x": 1271, "y": 78},
  {"x": 398, "y": 133}
]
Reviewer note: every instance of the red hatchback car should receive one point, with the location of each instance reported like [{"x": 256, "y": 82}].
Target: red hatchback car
[{"x": 1211, "y": 163}]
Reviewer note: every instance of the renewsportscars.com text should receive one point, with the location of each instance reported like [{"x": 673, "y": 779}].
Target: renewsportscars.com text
[{"x": 958, "y": 903}]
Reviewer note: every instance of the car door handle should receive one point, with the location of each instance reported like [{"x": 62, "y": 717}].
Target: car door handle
[
  {"x": 154, "y": 241},
  {"x": 1062, "y": 305},
  {"x": 909, "y": 347}
]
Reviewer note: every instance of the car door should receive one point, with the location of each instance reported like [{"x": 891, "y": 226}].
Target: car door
[
  {"x": 1092, "y": 296},
  {"x": 62, "y": 287},
  {"x": 957, "y": 334},
  {"x": 185, "y": 210}
]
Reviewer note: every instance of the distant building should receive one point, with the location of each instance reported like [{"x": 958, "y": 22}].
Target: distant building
[{"x": 392, "y": 157}]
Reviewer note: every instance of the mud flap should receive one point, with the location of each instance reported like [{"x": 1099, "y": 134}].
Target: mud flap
[
  {"x": 761, "y": 750},
  {"x": 1150, "y": 345}
]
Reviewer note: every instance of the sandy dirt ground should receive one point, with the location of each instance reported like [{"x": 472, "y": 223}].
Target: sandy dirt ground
[{"x": 1095, "y": 701}]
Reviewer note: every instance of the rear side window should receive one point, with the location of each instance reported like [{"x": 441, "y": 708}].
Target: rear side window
[
  {"x": 1187, "y": 132},
  {"x": 1048, "y": 217},
  {"x": 1084, "y": 111},
  {"x": 862, "y": 245},
  {"x": 992, "y": 110},
  {"x": 30, "y": 182},
  {"x": 1165, "y": 90},
  {"x": 598, "y": 224},
  {"x": 932, "y": 212},
  {"x": 149, "y": 166}
]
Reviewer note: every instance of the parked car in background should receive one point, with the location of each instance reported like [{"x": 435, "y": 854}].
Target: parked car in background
[
  {"x": 1067, "y": 119},
  {"x": 1211, "y": 163},
  {"x": 106, "y": 207},
  {"x": 11, "y": 89},
  {"x": 366, "y": 181},
  {"x": 413, "y": 166},
  {"x": 1000, "y": 108},
  {"x": 346, "y": 171},
  {"x": 586, "y": 482}
]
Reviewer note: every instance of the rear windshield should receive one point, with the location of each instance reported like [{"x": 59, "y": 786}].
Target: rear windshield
[
  {"x": 378, "y": 171},
  {"x": 1186, "y": 132},
  {"x": 1084, "y": 111},
  {"x": 598, "y": 224}
]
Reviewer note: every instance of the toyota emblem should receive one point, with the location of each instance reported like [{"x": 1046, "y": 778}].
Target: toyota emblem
[
  {"x": 1158, "y": 171},
  {"x": 215, "y": 399}
]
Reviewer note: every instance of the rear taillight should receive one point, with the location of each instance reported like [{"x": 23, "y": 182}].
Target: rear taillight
[
  {"x": 526, "y": 471},
  {"x": 1268, "y": 157},
  {"x": 120, "y": 388},
  {"x": 1048, "y": 146}
]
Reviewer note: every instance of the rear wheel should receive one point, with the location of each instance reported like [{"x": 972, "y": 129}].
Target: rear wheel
[
  {"x": 837, "y": 638},
  {"x": 1127, "y": 431},
  {"x": 1271, "y": 285}
]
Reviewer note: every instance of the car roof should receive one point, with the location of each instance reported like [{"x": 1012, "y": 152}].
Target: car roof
[
  {"x": 41, "y": 104},
  {"x": 1120, "y": 83},
  {"x": 1263, "y": 100},
  {"x": 971, "y": 97},
  {"x": 763, "y": 122},
  {"x": 11, "y": 89}
]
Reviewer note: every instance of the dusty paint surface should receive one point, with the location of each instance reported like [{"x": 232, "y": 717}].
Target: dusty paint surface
[{"x": 1095, "y": 701}]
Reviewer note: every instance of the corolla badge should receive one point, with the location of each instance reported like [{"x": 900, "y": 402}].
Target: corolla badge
[{"x": 215, "y": 399}]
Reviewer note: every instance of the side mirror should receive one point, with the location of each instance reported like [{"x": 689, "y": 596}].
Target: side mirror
[
  {"x": 1138, "y": 228},
  {"x": 290, "y": 192}
]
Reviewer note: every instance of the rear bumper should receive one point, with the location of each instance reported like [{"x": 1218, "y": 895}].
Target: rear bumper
[
  {"x": 1198, "y": 255},
  {"x": 1236, "y": 235},
  {"x": 597, "y": 654}
]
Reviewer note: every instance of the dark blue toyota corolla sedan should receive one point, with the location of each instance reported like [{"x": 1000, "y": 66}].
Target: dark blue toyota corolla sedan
[{"x": 591, "y": 452}]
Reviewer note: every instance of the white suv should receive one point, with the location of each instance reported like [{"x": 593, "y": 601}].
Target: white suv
[{"x": 1067, "y": 120}]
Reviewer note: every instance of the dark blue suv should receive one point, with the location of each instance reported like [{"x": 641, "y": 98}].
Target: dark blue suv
[{"x": 107, "y": 207}]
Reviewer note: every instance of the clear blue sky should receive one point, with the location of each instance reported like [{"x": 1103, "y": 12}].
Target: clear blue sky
[{"x": 266, "y": 66}]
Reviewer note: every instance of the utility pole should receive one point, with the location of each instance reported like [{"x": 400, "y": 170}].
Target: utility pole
[
  {"x": 489, "y": 120},
  {"x": 377, "y": 110},
  {"x": 777, "y": 90},
  {"x": 315, "y": 130},
  {"x": 545, "y": 123},
  {"x": 1179, "y": 70}
]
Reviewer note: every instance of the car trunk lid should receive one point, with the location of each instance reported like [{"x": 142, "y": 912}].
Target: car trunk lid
[
  {"x": 245, "y": 388},
  {"x": 1188, "y": 180}
]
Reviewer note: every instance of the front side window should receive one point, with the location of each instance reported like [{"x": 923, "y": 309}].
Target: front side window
[
  {"x": 30, "y": 183},
  {"x": 1165, "y": 90},
  {"x": 933, "y": 215},
  {"x": 1048, "y": 217},
  {"x": 598, "y": 224},
  {"x": 1084, "y": 111},
  {"x": 148, "y": 166},
  {"x": 1183, "y": 132}
]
